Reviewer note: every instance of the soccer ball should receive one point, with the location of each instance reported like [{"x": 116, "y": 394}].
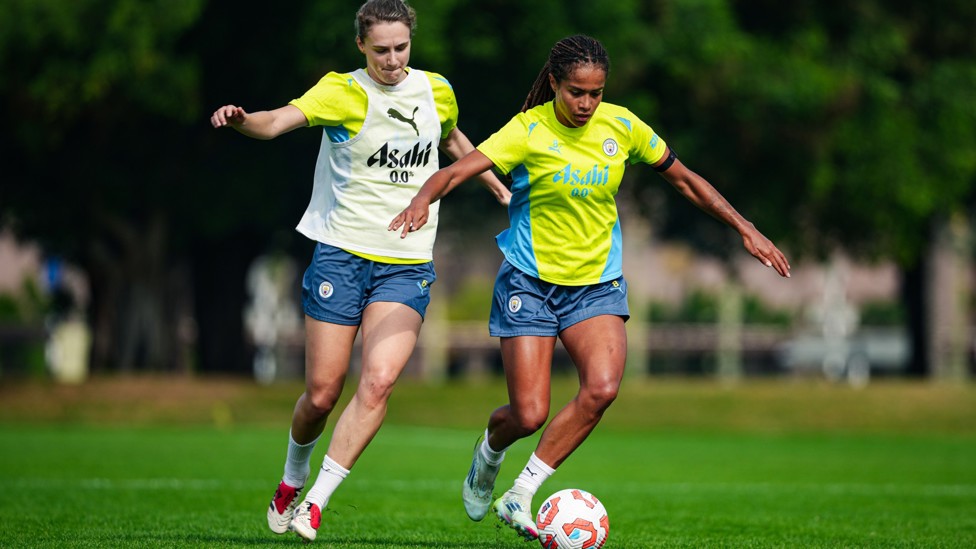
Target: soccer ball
[{"x": 572, "y": 519}]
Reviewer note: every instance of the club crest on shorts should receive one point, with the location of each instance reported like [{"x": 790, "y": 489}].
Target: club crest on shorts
[
  {"x": 514, "y": 304},
  {"x": 326, "y": 289},
  {"x": 610, "y": 147}
]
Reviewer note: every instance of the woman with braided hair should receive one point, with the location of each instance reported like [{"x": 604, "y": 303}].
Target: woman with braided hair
[{"x": 562, "y": 273}]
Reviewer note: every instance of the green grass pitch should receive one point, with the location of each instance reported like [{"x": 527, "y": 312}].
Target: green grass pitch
[{"x": 677, "y": 464}]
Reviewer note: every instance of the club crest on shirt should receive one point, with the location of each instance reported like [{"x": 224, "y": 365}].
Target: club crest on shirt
[
  {"x": 610, "y": 147},
  {"x": 326, "y": 289},
  {"x": 514, "y": 304}
]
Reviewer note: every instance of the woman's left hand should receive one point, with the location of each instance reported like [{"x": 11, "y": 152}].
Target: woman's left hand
[{"x": 765, "y": 251}]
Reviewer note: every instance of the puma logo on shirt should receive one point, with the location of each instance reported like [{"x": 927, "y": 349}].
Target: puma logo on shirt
[{"x": 395, "y": 114}]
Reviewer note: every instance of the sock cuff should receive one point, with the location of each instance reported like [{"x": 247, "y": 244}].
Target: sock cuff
[
  {"x": 534, "y": 460},
  {"x": 492, "y": 456},
  {"x": 330, "y": 466},
  {"x": 533, "y": 475},
  {"x": 291, "y": 440}
]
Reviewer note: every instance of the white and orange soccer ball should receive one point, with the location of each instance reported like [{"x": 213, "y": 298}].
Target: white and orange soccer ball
[{"x": 572, "y": 519}]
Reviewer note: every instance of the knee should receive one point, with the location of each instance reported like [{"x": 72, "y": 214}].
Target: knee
[
  {"x": 600, "y": 395},
  {"x": 321, "y": 398},
  {"x": 375, "y": 390},
  {"x": 529, "y": 419}
]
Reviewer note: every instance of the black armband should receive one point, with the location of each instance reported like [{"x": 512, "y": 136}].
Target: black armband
[{"x": 667, "y": 162}]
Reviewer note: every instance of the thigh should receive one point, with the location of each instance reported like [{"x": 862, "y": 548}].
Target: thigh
[
  {"x": 528, "y": 369},
  {"x": 390, "y": 331},
  {"x": 598, "y": 347},
  {"x": 328, "y": 348}
]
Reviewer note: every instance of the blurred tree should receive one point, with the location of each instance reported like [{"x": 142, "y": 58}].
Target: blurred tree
[
  {"x": 112, "y": 162},
  {"x": 827, "y": 123},
  {"x": 898, "y": 159},
  {"x": 95, "y": 92}
]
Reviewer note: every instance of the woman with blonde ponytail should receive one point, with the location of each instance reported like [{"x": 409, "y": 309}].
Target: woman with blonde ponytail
[{"x": 383, "y": 126}]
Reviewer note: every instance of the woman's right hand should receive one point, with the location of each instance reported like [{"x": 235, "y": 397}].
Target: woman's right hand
[
  {"x": 228, "y": 115},
  {"x": 412, "y": 218}
]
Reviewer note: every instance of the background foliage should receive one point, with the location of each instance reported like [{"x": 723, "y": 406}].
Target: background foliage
[{"x": 828, "y": 124}]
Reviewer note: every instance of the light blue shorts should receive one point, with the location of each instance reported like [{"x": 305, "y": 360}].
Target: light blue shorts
[
  {"x": 338, "y": 285},
  {"x": 526, "y": 306}
]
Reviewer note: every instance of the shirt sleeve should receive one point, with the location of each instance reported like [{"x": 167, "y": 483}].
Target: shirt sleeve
[
  {"x": 647, "y": 146},
  {"x": 446, "y": 102},
  {"x": 331, "y": 100},
  {"x": 506, "y": 147}
]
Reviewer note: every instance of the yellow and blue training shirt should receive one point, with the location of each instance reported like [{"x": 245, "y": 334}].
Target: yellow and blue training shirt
[{"x": 563, "y": 222}]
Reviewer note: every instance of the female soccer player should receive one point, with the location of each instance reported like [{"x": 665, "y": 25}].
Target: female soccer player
[
  {"x": 562, "y": 272},
  {"x": 383, "y": 127}
]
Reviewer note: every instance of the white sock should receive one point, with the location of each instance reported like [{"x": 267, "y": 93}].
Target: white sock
[
  {"x": 533, "y": 475},
  {"x": 297, "y": 462},
  {"x": 490, "y": 455},
  {"x": 330, "y": 477}
]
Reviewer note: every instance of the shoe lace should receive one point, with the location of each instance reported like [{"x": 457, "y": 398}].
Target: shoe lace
[{"x": 310, "y": 513}]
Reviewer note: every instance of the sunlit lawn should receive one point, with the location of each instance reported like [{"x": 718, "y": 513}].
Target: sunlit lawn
[{"x": 678, "y": 464}]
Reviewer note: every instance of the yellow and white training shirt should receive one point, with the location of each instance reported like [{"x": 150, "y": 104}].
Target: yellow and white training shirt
[{"x": 379, "y": 146}]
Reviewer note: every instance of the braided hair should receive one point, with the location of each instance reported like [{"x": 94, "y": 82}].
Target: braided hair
[
  {"x": 568, "y": 54},
  {"x": 384, "y": 11}
]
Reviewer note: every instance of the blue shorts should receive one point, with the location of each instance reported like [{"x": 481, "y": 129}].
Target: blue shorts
[
  {"x": 338, "y": 285},
  {"x": 526, "y": 306}
]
